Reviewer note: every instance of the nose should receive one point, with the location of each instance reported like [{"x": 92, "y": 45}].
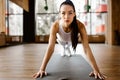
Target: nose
[{"x": 66, "y": 16}]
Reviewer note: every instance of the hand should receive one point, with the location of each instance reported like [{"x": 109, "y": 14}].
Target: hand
[
  {"x": 40, "y": 74},
  {"x": 97, "y": 75}
]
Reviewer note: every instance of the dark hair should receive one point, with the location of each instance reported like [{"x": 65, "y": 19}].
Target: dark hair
[{"x": 73, "y": 26}]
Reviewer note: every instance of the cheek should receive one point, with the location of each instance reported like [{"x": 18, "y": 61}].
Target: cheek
[{"x": 71, "y": 18}]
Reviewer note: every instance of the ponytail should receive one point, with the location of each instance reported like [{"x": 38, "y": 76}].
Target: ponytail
[{"x": 74, "y": 33}]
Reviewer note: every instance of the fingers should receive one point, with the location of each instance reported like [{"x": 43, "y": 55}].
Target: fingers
[
  {"x": 43, "y": 73},
  {"x": 40, "y": 74},
  {"x": 97, "y": 75},
  {"x": 36, "y": 75},
  {"x": 101, "y": 76},
  {"x": 91, "y": 74}
]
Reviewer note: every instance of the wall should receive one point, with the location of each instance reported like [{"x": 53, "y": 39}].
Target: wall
[
  {"x": 116, "y": 21},
  {"x": 113, "y": 27},
  {"x": 23, "y": 3},
  {"x": 2, "y": 16},
  {"x": 2, "y": 39}
]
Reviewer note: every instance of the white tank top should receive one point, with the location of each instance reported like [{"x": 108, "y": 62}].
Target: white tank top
[{"x": 62, "y": 35}]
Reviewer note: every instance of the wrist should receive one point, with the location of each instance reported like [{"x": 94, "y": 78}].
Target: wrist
[
  {"x": 42, "y": 69},
  {"x": 96, "y": 70}
]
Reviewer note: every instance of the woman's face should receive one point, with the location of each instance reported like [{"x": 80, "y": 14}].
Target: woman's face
[{"x": 67, "y": 14}]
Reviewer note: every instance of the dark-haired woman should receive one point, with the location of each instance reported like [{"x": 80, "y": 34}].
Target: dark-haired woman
[{"x": 68, "y": 28}]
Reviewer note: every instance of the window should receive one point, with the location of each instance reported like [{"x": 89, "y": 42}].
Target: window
[
  {"x": 91, "y": 12},
  {"x": 14, "y": 19}
]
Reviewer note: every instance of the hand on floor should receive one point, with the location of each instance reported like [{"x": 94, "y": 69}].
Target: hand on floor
[
  {"x": 97, "y": 75},
  {"x": 40, "y": 74}
]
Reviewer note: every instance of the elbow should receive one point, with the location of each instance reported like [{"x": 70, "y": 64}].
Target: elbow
[
  {"x": 51, "y": 48},
  {"x": 86, "y": 49}
]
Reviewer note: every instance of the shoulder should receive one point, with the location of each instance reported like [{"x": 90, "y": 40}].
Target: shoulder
[
  {"x": 54, "y": 26},
  {"x": 80, "y": 25},
  {"x": 55, "y": 23}
]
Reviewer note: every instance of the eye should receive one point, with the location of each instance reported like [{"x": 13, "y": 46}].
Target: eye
[
  {"x": 70, "y": 13},
  {"x": 63, "y": 13}
]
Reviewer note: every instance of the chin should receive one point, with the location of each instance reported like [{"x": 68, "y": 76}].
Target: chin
[{"x": 67, "y": 24}]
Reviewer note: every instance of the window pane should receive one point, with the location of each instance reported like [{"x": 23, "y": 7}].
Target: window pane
[
  {"x": 44, "y": 21},
  {"x": 16, "y": 25},
  {"x": 85, "y": 19},
  {"x": 14, "y": 9},
  {"x": 14, "y": 19},
  {"x": 41, "y": 4},
  {"x": 98, "y": 23}
]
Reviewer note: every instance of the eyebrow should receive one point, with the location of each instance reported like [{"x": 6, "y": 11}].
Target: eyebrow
[
  {"x": 68, "y": 11},
  {"x": 71, "y": 11}
]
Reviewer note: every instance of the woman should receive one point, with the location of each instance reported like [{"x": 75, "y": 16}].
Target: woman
[{"x": 71, "y": 27}]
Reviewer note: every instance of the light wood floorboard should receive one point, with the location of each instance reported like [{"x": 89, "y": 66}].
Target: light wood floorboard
[{"x": 20, "y": 62}]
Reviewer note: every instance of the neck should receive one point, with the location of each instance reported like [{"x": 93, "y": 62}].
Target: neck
[{"x": 66, "y": 28}]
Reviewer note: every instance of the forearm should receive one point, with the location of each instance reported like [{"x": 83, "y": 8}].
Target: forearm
[
  {"x": 46, "y": 58},
  {"x": 91, "y": 59}
]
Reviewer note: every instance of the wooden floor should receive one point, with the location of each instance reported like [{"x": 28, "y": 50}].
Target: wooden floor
[{"x": 20, "y": 62}]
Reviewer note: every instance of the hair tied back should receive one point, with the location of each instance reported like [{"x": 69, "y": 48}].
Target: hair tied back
[{"x": 67, "y": 0}]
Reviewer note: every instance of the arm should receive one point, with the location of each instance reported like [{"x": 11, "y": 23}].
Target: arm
[
  {"x": 88, "y": 52},
  {"x": 49, "y": 51}
]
